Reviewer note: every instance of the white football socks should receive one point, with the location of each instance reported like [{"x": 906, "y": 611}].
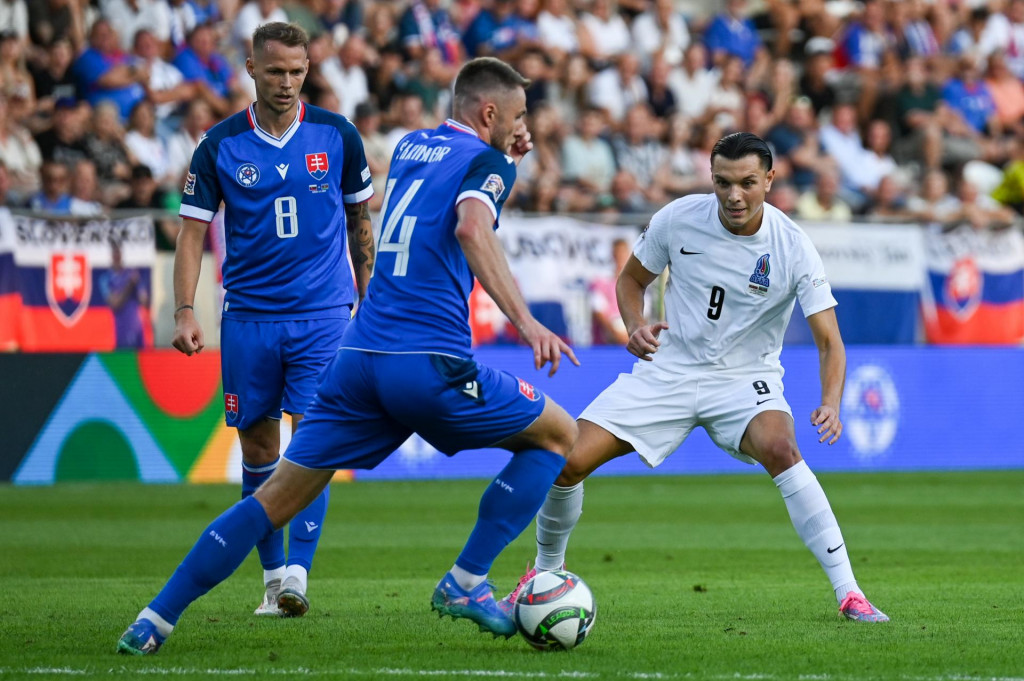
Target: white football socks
[
  {"x": 163, "y": 626},
  {"x": 467, "y": 580},
  {"x": 271, "y": 575},
  {"x": 297, "y": 572},
  {"x": 817, "y": 526},
  {"x": 555, "y": 522}
]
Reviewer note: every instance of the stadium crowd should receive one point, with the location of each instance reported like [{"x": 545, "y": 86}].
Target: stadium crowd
[{"x": 882, "y": 109}]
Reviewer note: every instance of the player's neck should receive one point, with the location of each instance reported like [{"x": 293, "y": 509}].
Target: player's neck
[{"x": 273, "y": 122}]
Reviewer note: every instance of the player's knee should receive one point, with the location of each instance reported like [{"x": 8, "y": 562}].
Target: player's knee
[
  {"x": 572, "y": 474},
  {"x": 563, "y": 435},
  {"x": 779, "y": 454}
]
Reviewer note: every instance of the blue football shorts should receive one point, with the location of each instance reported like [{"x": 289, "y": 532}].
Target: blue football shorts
[
  {"x": 369, "y": 403},
  {"x": 273, "y": 366}
]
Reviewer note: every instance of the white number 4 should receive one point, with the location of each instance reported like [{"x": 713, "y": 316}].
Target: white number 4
[{"x": 401, "y": 246}]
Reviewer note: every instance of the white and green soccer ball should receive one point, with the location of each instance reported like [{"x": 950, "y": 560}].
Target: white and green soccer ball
[{"x": 555, "y": 610}]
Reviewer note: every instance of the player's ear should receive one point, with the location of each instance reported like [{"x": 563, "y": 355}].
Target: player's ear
[
  {"x": 769, "y": 176},
  {"x": 249, "y": 67}
]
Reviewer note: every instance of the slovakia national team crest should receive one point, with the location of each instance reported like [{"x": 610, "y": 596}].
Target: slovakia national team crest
[
  {"x": 247, "y": 174},
  {"x": 68, "y": 286},
  {"x": 961, "y": 292},
  {"x": 528, "y": 391},
  {"x": 871, "y": 405},
  {"x": 759, "y": 279},
  {"x": 317, "y": 165}
]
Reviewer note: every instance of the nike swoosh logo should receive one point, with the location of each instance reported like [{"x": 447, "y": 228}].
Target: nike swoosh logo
[
  {"x": 835, "y": 549},
  {"x": 763, "y": 401},
  {"x": 686, "y": 252}
]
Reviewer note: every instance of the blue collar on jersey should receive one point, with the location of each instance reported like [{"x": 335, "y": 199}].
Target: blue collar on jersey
[
  {"x": 278, "y": 142},
  {"x": 460, "y": 127}
]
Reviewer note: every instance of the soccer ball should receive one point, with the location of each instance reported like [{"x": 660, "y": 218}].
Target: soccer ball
[{"x": 555, "y": 611}]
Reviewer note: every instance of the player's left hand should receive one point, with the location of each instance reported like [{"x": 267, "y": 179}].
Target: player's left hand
[
  {"x": 547, "y": 346},
  {"x": 826, "y": 420}
]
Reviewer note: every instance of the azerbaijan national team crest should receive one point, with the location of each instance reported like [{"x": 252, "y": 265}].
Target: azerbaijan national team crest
[
  {"x": 759, "y": 279},
  {"x": 68, "y": 286},
  {"x": 871, "y": 409},
  {"x": 247, "y": 174},
  {"x": 317, "y": 165},
  {"x": 961, "y": 292}
]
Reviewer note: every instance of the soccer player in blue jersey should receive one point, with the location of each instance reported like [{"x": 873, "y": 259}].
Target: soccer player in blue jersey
[
  {"x": 294, "y": 181},
  {"x": 406, "y": 366}
]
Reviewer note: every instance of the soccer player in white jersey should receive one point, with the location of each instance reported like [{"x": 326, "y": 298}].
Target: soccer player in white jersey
[{"x": 737, "y": 265}]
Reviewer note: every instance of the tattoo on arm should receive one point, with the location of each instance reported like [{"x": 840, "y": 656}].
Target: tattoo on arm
[{"x": 360, "y": 231}]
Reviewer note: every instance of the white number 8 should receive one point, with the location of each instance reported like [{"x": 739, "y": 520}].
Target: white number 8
[{"x": 286, "y": 216}]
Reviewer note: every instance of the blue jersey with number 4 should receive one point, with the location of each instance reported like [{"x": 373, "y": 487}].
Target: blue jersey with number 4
[
  {"x": 284, "y": 214},
  {"x": 418, "y": 299}
]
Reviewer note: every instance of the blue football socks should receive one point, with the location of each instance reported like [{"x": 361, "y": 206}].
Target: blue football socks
[
  {"x": 220, "y": 550},
  {"x": 270, "y": 549},
  {"x": 508, "y": 505},
  {"x": 304, "y": 531}
]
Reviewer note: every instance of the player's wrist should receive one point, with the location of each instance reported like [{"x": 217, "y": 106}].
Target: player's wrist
[{"x": 183, "y": 308}]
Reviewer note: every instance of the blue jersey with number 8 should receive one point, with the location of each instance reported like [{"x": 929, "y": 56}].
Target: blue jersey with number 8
[
  {"x": 418, "y": 299},
  {"x": 284, "y": 215}
]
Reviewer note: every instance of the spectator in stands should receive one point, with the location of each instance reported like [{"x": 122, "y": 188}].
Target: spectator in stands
[
  {"x": 1010, "y": 191},
  {"x": 64, "y": 141},
  {"x": 375, "y": 145},
  {"x": 1007, "y": 92},
  {"x": 784, "y": 196},
  {"x": 934, "y": 203},
  {"x": 558, "y": 30},
  {"x": 534, "y": 64},
  {"x": 184, "y": 18},
  {"x": 166, "y": 87},
  {"x": 132, "y": 16},
  {"x": 85, "y": 189},
  {"x": 661, "y": 30},
  {"x": 618, "y": 88},
  {"x": 346, "y": 75},
  {"x": 145, "y": 194},
  {"x": 124, "y": 293},
  {"x": 52, "y": 80},
  {"x": 966, "y": 39},
  {"x": 51, "y": 20},
  {"x": 627, "y": 195},
  {"x": 588, "y": 165},
  {"x": 569, "y": 92},
  {"x": 432, "y": 85},
  {"x": 818, "y": 80},
  {"x": 841, "y": 139},
  {"x": 638, "y": 151},
  {"x": 863, "y": 49},
  {"x": 912, "y": 34},
  {"x": 105, "y": 145},
  {"x": 203, "y": 66},
  {"x": 14, "y": 18},
  {"x": 679, "y": 174},
  {"x": 341, "y": 19},
  {"x": 20, "y": 155},
  {"x": 890, "y": 201},
  {"x": 15, "y": 79},
  {"x": 982, "y": 211},
  {"x": 145, "y": 145},
  {"x": 795, "y": 144},
  {"x": 728, "y": 97},
  {"x": 252, "y": 15},
  {"x": 381, "y": 29},
  {"x": 967, "y": 95},
  {"x": 732, "y": 34},
  {"x": 604, "y": 35},
  {"x": 1005, "y": 33},
  {"x": 693, "y": 83},
  {"x": 607, "y": 327},
  {"x": 921, "y": 118},
  {"x": 540, "y": 173},
  {"x": 878, "y": 161},
  {"x": 660, "y": 96},
  {"x": 198, "y": 119},
  {"x": 426, "y": 24},
  {"x": 501, "y": 30},
  {"x": 105, "y": 73},
  {"x": 406, "y": 115},
  {"x": 823, "y": 202},
  {"x": 54, "y": 196}
]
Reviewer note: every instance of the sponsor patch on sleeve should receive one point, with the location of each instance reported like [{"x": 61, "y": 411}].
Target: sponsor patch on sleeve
[
  {"x": 190, "y": 184},
  {"x": 494, "y": 185},
  {"x": 819, "y": 282},
  {"x": 365, "y": 174}
]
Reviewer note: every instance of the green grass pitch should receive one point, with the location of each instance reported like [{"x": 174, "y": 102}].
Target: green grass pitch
[{"x": 695, "y": 578}]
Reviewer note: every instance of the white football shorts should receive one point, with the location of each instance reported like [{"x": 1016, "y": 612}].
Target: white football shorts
[{"x": 654, "y": 410}]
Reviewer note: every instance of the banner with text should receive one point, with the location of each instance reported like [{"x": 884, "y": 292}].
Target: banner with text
[{"x": 75, "y": 286}]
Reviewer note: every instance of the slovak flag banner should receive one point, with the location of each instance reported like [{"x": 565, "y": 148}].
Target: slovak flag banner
[
  {"x": 53, "y": 274},
  {"x": 975, "y": 288}
]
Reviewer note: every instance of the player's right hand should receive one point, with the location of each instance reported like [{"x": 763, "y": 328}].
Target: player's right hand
[
  {"x": 644, "y": 341},
  {"x": 547, "y": 346},
  {"x": 188, "y": 335}
]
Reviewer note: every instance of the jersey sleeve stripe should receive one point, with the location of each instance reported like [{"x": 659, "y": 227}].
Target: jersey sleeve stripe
[
  {"x": 196, "y": 213},
  {"x": 480, "y": 196},
  {"x": 359, "y": 196}
]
